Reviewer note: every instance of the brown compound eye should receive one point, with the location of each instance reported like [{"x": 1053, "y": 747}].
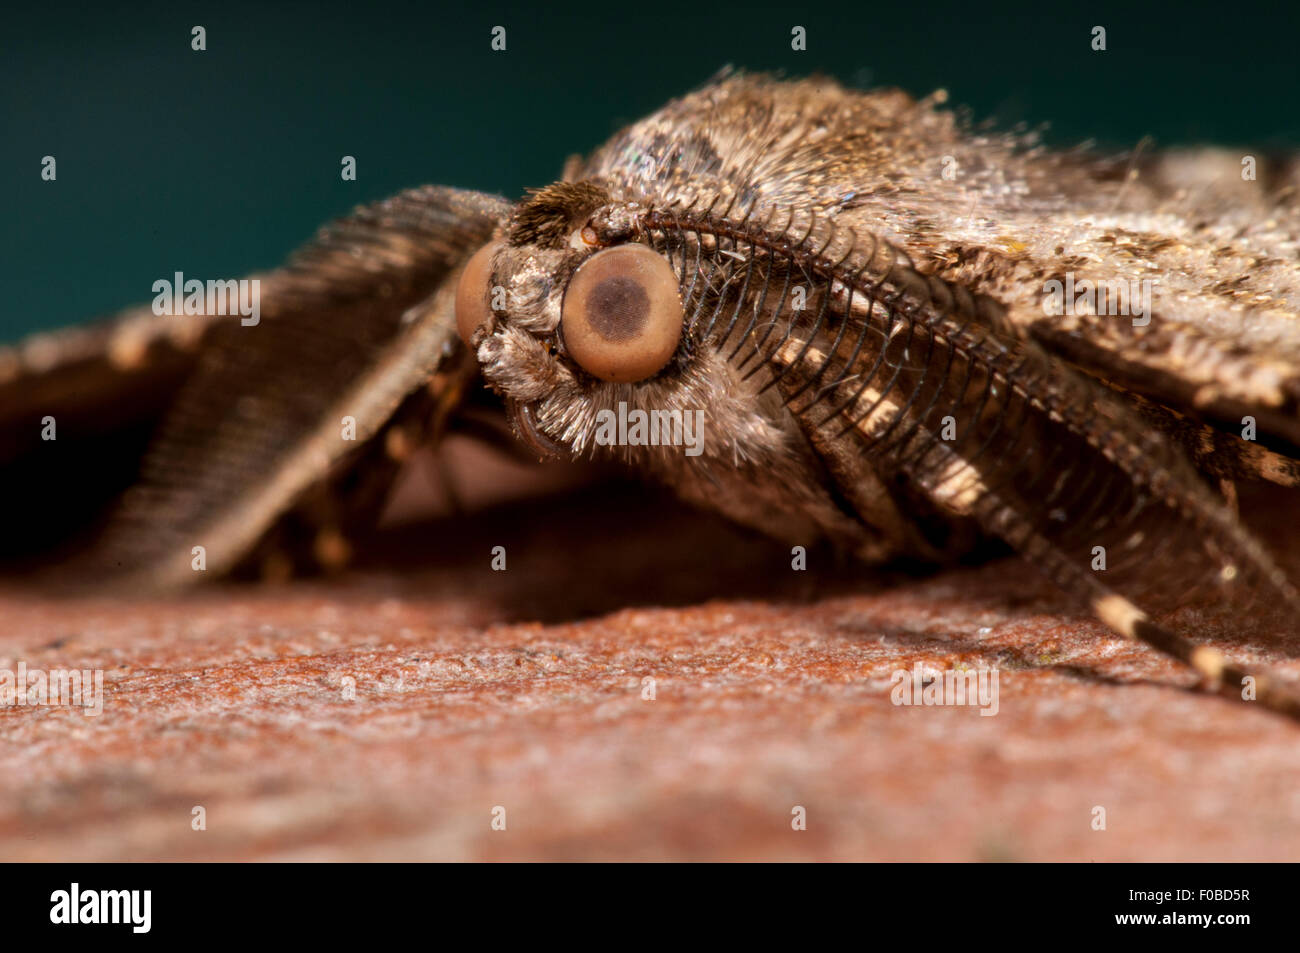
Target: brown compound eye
[
  {"x": 472, "y": 292},
  {"x": 622, "y": 314}
]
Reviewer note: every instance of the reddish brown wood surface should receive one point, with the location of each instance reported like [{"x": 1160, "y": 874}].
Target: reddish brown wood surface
[{"x": 523, "y": 689}]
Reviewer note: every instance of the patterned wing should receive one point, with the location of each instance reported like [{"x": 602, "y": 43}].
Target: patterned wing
[{"x": 356, "y": 328}]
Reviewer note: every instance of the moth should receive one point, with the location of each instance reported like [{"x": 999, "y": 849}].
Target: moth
[{"x": 897, "y": 332}]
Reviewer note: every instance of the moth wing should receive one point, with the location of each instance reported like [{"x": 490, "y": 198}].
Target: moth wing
[
  {"x": 350, "y": 331},
  {"x": 81, "y": 401},
  {"x": 1170, "y": 277},
  {"x": 1214, "y": 235}
]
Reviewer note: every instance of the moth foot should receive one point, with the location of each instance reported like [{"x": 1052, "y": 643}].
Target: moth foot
[
  {"x": 331, "y": 549},
  {"x": 276, "y": 567}
]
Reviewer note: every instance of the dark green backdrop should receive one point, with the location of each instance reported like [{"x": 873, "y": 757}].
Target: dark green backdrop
[{"x": 220, "y": 162}]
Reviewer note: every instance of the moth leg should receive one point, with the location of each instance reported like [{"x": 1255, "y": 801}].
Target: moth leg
[
  {"x": 493, "y": 430},
  {"x": 1229, "y": 490},
  {"x": 275, "y": 566},
  {"x": 331, "y": 522},
  {"x": 1216, "y": 451},
  {"x": 1054, "y": 465},
  {"x": 1218, "y": 674}
]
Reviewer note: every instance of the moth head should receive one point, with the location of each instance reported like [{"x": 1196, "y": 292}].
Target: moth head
[
  {"x": 620, "y": 309},
  {"x": 570, "y": 311}
]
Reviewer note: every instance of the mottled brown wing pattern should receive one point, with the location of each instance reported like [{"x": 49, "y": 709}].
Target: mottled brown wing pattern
[
  {"x": 355, "y": 330},
  {"x": 1222, "y": 252},
  {"x": 77, "y": 408},
  {"x": 1000, "y": 215}
]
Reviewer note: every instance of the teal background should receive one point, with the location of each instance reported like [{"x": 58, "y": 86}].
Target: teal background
[{"x": 218, "y": 163}]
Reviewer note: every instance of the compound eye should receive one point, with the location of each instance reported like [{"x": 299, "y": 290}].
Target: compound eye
[
  {"x": 472, "y": 292},
  {"x": 622, "y": 314}
]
